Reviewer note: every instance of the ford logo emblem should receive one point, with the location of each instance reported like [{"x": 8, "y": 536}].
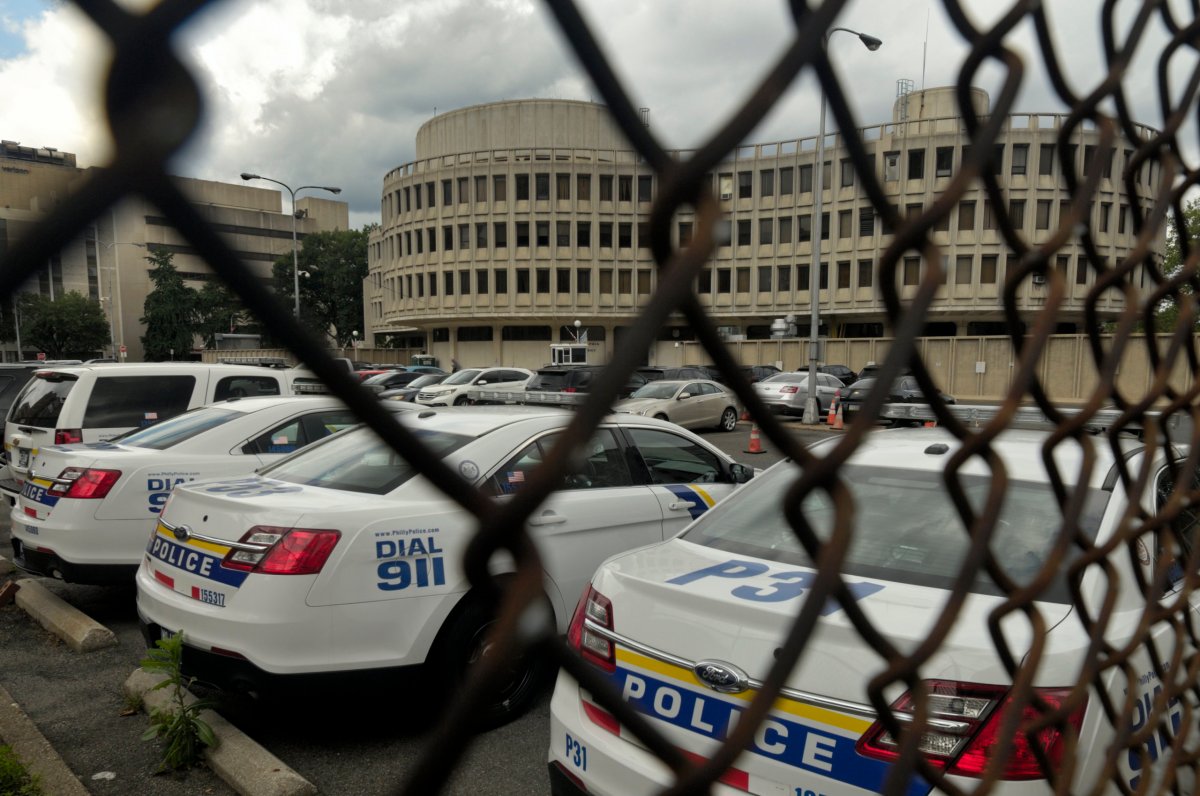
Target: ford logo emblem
[
  {"x": 182, "y": 533},
  {"x": 723, "y": 677}
]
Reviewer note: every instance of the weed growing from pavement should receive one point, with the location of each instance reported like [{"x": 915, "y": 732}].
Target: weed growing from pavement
[
  {"x": 14, "y": 779},
  {"x": 185, "y": 735}
]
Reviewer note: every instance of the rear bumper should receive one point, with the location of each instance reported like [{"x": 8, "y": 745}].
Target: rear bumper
[{"x": 49, "y": 564}]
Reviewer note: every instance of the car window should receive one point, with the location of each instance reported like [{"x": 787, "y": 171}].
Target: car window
[
  {"x": 672, "y": 459},
  {"x": 601, "y": 465},
  {"x": 299, "y": 432},
  {"x": 655, "y": 390},
  {"x": 137, "y": 401},
  {"x": 180, "y": 428},
  {"x": 41, "y": 400},
  {"x": 245, "y": 386},
  {"x": 1175, "y": 542},
  {"x": 906, "y": 528},
  {"x": 461, "y": 377}
]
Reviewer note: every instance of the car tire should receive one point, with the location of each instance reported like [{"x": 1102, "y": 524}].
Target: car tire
[
  {"x": 729, "y": 419},
  {"x": 463, "y": 642},
  {"x": 661, "y": 416},
  {"x": 462, "y": 400}
]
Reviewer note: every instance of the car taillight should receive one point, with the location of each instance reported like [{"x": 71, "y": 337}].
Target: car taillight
[
  {"x": 790, "y": 388},
  {"x": 964, "y": 727},
  {"x": 65, "y": 436},
  {"x": 594, "y": 648},
  {"x": 284, "y": 551},
  {"x": 84, "y": 483},
  {"x": 568, "y": 389}
]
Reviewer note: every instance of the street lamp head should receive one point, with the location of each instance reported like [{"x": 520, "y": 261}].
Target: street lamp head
[
  {"x": 248, "y": 176},
  {"x": 872, "y": 43},
  {"x": 334, "y": 190}
]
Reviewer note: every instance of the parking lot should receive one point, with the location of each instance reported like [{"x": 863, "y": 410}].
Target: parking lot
[{"x": 361, "y": 741}]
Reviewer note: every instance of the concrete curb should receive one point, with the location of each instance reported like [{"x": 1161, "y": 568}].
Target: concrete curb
[
  {"x": 80, "y": 631},
  {"x": 244, "y": 765},
  {"x": 35, "y": 751}
]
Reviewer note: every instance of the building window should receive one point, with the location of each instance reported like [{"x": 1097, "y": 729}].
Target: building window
[
  {"x": 847, "y": 173},
  {"x": 963, "y": 266},
  {"x": 522, "y": 187},
  {"x": 785, "y": 229},
  {"x": 824, "y": 277},
  {"x": 501, "y": 281},
  {"x": 824, "y": 226},
  {"x": 685, "y": 233},
  {"x": 998, "y": 159},
  {"x": 704, "y": 283},
  {"x": 643, "y": 234},
  {"x": 944, "y": 163},
  {"x": 827, "y": 176},
  {"x": 784, "y": 274},
  {"x": 725, "y": 183},
  {"x": 1089, "y": 155},
  {"x": 843, "y": 275},
  {"x": 542, "y": 231},
  {"x": 866, "y": 273},
  {"x": 989, "y": 218},
  {"x": 766, "y": 182},
  {"x": 866, "y": 221},
  {"x": 481, "y": 235},
  {"x": 541, "y": 187},
  {"x": 844, "y": 223},
  {"x": 912, "y": 271},
  {"x": 1062, "y": 264},
  {"x": 500, "y": 234},
  {"x": 474, "y": 334},
  {"x": 606, "y": 188},
  {"x": 606, "y": 281},
  {"x": 523, "y": 280},
  {"x": 942, "y": 223},
  {"x": 916, "y": 164},
  {"x": 1105, "y": 212},
  {"x": 1124, "y": 213},
  {"x": 448, "y": 238},
  {"x": 449, "y": 280},
  {"x": 606, "y": 229},
  {"x": 1016, "y": 212},
  {"x": 723, "y": 280},
  {"x": 522, "y": 234},
  {"x": 1042, "y": 217},
  {"x": 624, "y": 281},
  {"x": 481, "y": 188},
  {"x": 583, "y": 280},
  {"x": 804, "y": 278},
  {"x": 417, "y": 195},
  {"x": 431, "y": 234},
  {"x": 625, "y": 188},
  {"x": 743, "y": 280},
  {"x": 987, "y": 269},
  {"x": 645, "y": 186},
  {"x": 766, "y": 229},
  {"x": 499, "y": 188},
  {"x": 643, "y": 282},
  {"x": 1081, "y": 273},
  {"x": 743, "y": 232},
  {"x": 1020, "y": 160},
  {"x": 432, "y": 284},
  {"x": 583, "y": 234},
  {"x": 464, "y": 283},
  {"x": 562, "y": 233},
  {"x": 1046, "y": 160},
  {"x": 583, "y": 187},
  {"x": 542, "y": 275},
  {"x": 447, "y": 193},
  {"x": 891, "y": 166},
  {"x": 625, "y": 235},
  {"x": 806, "y": 178},
  {"x": 745, "y": 184},
  {"x": 481, "y": 282},
  {"x": 562, "y": 187},
  {"x": 804, "y": 225},
  {"x": 764, "y": 279},
  {"x": 464, "y": 187},
  {"x": 785, "y": 181},
  {"x": 966, "y": 216}
]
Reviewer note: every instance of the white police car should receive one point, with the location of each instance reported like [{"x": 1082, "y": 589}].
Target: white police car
[
  {"x": 343, "y": 558},
  {"x": 688, "y": 629},
  {"x": 85, "y": 510}
]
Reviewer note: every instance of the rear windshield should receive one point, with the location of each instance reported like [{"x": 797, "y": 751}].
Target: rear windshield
[
  {"x": 41, "y": 400},
  {"x": 178, "y": 429},
  {"x": 137, "y": 401},
  {"x": 552, "y": 381},
  {"x": 906, "y": 528},
  {"x": 359, "y": 461}
]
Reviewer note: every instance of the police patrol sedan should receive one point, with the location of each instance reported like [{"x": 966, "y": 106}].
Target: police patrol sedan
[
  {"x": 688, "y": 629},
  {"x": 84, "y": 513},
  {"x": 343, "y": 558}
]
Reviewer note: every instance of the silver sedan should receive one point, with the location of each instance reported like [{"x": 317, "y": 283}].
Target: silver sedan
[
  {"x": 787, "y": 393},
  {"x": 691, "y": 403}
]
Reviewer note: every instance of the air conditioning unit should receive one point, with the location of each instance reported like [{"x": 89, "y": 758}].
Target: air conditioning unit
[{"x": 1039, "y": 279}]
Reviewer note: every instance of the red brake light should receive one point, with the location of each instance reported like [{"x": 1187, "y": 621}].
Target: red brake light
[
  {"x": 568, "y": 389},
  {"x": 594, "y": 648},
  {"x": 790, "y": 389},
  {"x": 84, "y": 483},
  {"x": 978, "y": 711},
  {"x": 284, "y": 551},
  {"x": 66, "y": 436}
]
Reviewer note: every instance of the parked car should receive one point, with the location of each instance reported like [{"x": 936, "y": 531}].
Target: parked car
[
  {"x": 94, "y": 403},
  {"x": 390, "y": 379},
  {"x": 409, "y": 391},
  {"x": 427, "y": 369},
  {"x": 687, "y": 629},
  {"x": 692, "y": 404},
  {"x": 754, "y": 373},
  {"x": 453, "y": 390},
  {"x": 344, "y": 559},
  {"x": 576, "y": 378},
  {"x": 787, "y": 393},
  {"x": 653, "y": 373},
  {"x": 86, "y": 510},
  {"x": 839, "y": 372},
  {"x": 904, "y": 390}
]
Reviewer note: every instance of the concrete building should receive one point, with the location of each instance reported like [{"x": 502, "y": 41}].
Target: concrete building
[
  {"x": 518, "y": 218},
  {"x": 107, "y": 263}
]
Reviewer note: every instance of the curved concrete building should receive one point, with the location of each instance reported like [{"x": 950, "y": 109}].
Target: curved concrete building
[{"x": 518, "y": 218}]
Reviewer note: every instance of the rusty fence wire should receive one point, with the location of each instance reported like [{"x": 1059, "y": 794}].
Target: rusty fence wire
[{"x": 154, "y": 105}]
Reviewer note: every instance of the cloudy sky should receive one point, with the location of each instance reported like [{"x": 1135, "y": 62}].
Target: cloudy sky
[{"x": 332, "y": 93}]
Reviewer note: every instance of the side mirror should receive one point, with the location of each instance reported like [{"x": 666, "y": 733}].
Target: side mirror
[
  {"x": 481, "y": 382},
  {"x": 741, "y": 473},
  {"x": 683, "y": 395}
]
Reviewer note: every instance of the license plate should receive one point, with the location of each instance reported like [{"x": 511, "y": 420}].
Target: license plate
[{"x": 22, "y": 457}]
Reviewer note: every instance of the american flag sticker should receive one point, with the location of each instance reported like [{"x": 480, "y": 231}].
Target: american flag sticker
[
  {"x": 280, "y": 441},
  {"x": 152, "y": 415},
  {"x": 517, "y": 477}
]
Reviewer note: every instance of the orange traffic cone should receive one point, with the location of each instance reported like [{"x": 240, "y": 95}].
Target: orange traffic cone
[
  {"x": 745, "y": 414},
  {"x": 755, "y": 442},
  {"x": 838, "y": 422},
  {"x": 834, "y": 406},
  {"x": 930, "y": 424}
]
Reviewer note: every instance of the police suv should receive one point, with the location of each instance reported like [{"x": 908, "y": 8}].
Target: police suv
[
  {"x": 687, "y": 630},
  {"x": 85, "y": 509},
  {"x": 343, "y": 558}
]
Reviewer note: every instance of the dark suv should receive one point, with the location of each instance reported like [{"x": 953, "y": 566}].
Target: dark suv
[
  {"x": 753, "y": 372},
  {"x": 576, "y": 378},
  {"x": 839, "y": 372}
]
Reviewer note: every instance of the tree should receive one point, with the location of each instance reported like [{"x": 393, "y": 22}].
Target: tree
[
  {"x": 219, "y": 311},
  {"x": 170, "y": 311},
  {"x": 333, "y": 266},
  {"x": 70, "y": 327},
  {"x": 1167, "y": 314}
]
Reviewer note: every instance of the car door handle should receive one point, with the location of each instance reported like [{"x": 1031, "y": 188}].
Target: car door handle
[
  {"x": 549, "y": 518},
  {"x": 679, "y": 505}
]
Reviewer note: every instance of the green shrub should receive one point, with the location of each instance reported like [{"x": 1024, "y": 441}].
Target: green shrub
[
  {"x": 185, "y": 735},
  {"x": 14, "y": 779}
]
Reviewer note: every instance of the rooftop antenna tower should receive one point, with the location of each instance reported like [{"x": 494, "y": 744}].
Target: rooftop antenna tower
[{"x": 904, "y": 87}]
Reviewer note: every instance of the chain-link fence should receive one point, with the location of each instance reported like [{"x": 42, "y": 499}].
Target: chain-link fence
[{"x": 153, "y": 105}]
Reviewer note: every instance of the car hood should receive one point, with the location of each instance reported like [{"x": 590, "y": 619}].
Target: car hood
[{"x": 641, "y": 406}]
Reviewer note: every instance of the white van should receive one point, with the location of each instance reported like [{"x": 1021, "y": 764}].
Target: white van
[{"x": 94, "y": 403}]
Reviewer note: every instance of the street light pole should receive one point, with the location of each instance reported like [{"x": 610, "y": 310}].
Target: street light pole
[
  {"x": 295, "y": 249},
  {"x": 811, "y": 407}
]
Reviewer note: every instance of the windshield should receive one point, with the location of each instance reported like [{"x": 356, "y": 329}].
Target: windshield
[
  {"x": 462, "y": 377},
  {"x": 177, "y": 429},
  {"x": 380, "y": 378},
  {"x": 426, "y": 380},
  {"x": 359, "y": 461},
  {"x": 906, "y": 530},
  {"x": 656, "y": 390}
]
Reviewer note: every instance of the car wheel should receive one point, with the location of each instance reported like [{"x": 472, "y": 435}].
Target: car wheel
[
  {"x": 465, "y": 643},
  {"x": 729, "y": 419},
  {"x": 661, "y": 416},
  {"x": 462, "y": 400}
]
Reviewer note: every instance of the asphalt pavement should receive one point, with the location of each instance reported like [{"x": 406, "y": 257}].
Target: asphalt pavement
[{"x": 363, "y": 741}]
